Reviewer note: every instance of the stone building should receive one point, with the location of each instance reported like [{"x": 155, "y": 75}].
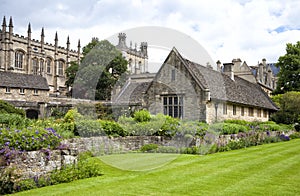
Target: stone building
[
  {"x": 25, "y": 55},
  {"x": 187, "y": 90},
  {"x": 137, "y": 58},
  {"x": 31, "y": 92},
  {"x": 264, "y": 74}
]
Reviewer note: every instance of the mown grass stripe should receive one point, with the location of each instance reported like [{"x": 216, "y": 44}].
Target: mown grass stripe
[{"x": 271, "y": 169}]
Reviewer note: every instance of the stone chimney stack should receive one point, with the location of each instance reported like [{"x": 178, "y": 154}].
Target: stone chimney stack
[
  {"x": 236, "y": 64},
  {"x": 261, "y": 73},
  {"x": 219, "y": 66},
  {"x": 228, "y": 70}
]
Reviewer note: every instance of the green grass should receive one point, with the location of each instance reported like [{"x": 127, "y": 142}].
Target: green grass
[{"x": 272, "y": 169}]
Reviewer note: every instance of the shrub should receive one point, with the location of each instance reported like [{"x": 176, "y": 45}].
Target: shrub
[
  {"x": 13, "y": 120},
  {"x": 269, "y": 127},
  {"x": 295, "y": 135},
  {"x": 142, "y": 116},
  {"x": 112, "y": 128},
  {"x": 169, "y": 125},
  {"x": 29, "y": 139},
  {"x": 228, "y": 128},
  {"x": 234, "y": 121},
  {"x": 8, "y": 178},
  {"x": 141, "y": 128},
  {"x": 149, "y": 148},
  {"x": 89, "y": 128},
  {"x": 7, "y": 108},
  {"x": 85, "y": 168},
  {"x": 72, "y": 115}
]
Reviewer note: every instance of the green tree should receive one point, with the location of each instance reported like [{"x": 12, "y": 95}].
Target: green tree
[
  {"x": 289, "y": 74},
  {"x": 289, "y": 104},
  {"x": 101, "y": 68}
]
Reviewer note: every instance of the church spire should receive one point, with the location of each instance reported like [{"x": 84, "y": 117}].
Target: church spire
[
  {"x": 4, "y": 25},
  {"x": 68, "y": 43},
  {"x": 29, "y": 28},
  {"x": 43, "y": 34},
  {"x": 10, "y": 22},
  {"x": 56, "y": 37}
]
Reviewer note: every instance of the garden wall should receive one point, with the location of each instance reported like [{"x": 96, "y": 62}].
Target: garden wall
[{"x": 36, "y": 163}]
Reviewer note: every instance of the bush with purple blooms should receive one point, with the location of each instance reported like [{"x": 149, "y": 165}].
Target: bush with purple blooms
[{"x": 29, "y": 139}]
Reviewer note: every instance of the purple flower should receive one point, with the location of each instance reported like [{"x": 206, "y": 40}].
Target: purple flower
[
  {"x": 7, "y": 143},
  {"x": 37, "y": 132}
]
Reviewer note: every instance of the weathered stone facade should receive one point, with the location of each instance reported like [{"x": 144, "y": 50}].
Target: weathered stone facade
[
  {"x": 137, "y": 57},
  {"x": 29, "y": 56},
  {"x": 184, "y": 89}
]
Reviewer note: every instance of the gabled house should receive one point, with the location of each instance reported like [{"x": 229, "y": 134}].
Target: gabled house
[
  {"x": 187, "y": 90},
  {"x": 28, "y": 91}
]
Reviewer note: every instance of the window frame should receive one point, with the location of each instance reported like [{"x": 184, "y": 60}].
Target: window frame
[
  {"x": 19, "y": 59},
  {"x": 35, "y": 91},
  {"x": 224, "y": 109},
  {"x": 22, "y": 91},
  {"x": 258, "y": 112},
  {"x": 35, "y": 66},
  {"x": 251, "y": 111},
  {"x": 173, "y": 105},
  {"x": 60, "y": 66},
  {"x": 233, "y": 109},
  {"x": 48, "y": 65},
  {"x": 7, "y": 90}
]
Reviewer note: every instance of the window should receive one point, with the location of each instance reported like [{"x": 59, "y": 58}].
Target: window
[
  {"x": 60, "y": 68},
  {"x": 224, "y": 108},
  {"x": 49, "y": 65},
  {"x": 22, "y": 91},
  {"x": 234, "y": 109},
  {"x": 41, "y": 66},
  {"x": 173, "y": 106},
  {"x": 173, "y": 75},
  {"x": 265, "y": 113},
  {"x": 250, "y": 111},
  {"x": 7, "y": 89},
  {"x": 242, "y": 111},
  {"x": 19, "y": 58},
  {"x": 35, "y": 66},
  {"x": 35, "y": 91},
  {"x": 258, "y": 112}
]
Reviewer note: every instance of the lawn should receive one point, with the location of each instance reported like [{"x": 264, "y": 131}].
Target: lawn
[{"x": 271, "y": 169}]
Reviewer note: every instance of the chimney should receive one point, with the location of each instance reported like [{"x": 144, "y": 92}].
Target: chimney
[
  {"x": 236, "y": 64},
  {"x": 228, "y": 70},
  {"x": 219, "y": 68},
  {"x": 261, "y": 73}
]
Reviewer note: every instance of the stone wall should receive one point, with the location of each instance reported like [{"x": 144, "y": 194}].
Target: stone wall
[{"x": 36, "y": 163}]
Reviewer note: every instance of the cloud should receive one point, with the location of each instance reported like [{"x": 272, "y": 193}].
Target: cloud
[{"x": 248, "y": 29}]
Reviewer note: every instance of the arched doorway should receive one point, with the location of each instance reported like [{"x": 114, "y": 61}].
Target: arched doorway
[{"x": 32, "y": 114}]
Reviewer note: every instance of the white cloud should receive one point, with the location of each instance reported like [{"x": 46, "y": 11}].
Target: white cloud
[{"x": 227, "y": 29}]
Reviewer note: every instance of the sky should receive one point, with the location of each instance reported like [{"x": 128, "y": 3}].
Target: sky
[{"x": 227, "y": 29}]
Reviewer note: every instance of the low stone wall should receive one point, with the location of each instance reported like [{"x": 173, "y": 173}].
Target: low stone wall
[
  {"x": 36, "y": 163},
  {"x": 109, "y": 145}
]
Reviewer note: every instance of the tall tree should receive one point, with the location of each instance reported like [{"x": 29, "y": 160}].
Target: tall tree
[
  {"x": 101, "y": 68},
  {"x": 289, "y": 74}
]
